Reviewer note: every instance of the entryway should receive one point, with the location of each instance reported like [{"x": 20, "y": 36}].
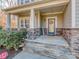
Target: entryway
[{"x": 51, "y": 25}]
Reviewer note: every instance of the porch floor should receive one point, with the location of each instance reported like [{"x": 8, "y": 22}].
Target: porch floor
[
  {"x": 61, "y": 52},
  {"x": 53, "y": 40}
]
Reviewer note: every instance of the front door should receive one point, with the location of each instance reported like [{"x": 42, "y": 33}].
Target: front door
[{"x": 51, "y": 26}]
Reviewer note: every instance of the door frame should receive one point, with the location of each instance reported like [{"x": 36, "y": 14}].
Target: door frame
[{"x": 48, "y": 24}]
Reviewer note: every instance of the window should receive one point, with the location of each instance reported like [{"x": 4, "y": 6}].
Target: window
[
  {"x": 22, "y": 1},
  {"x": 22, "y": 24},
  {"x": 26, "y": 1},
  {"x": 26, "y": 23}
]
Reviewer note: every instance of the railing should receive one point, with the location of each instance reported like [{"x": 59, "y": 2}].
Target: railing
[{"x": 13, "y": 3}]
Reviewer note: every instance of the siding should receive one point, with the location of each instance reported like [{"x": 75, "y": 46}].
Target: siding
[
  {"x": 77, "y": 13},
  {"x": 67, "y": 17}
]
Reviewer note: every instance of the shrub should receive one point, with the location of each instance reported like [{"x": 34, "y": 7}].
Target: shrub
[
  {"x": 0, "y": 28},
  {"x": 11, "y": 39},
  {"x": 24, "y": 32}
]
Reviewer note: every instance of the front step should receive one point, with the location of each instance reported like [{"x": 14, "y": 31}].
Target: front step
[{"x": 45, "y": 49}]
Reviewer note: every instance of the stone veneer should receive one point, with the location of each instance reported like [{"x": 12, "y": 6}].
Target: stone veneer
[
  {"x": 33, "y": 33},
  {"x": 67, "y": 34},
  {"x": 58, "y": 31},
  {"x": 72, "y": 36},
  {"x": 75, "y": 42}
]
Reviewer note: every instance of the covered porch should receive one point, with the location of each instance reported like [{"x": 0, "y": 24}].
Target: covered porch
[
  {"x": 47, "y": 23},
  {"x": 45, "y": 18}
]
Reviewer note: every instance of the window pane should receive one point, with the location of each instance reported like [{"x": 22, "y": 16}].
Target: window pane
[{"x": 22, "y": 24}]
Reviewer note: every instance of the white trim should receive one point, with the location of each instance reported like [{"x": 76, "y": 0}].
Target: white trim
[
  {"x": 53, "y": 13},
  {"x": 73, "y": 13},
  {"x": 32, "y": 18},
  {"x": 38, "y": 19},
  {"x": 55, "y": 22}
]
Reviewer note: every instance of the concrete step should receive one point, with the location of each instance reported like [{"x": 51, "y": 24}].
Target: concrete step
[
  {"x": 25, "y": 55},
  {"x": 45, "y": 49}
]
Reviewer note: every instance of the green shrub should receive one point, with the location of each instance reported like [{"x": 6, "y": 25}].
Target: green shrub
[
  {"x": 0, "y": 28},
  {"x": 11, "y": 39},
  {"x": 24, "y": 32}
]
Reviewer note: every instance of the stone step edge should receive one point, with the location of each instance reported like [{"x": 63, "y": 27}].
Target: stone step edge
[{"x": 31, "y": 41}]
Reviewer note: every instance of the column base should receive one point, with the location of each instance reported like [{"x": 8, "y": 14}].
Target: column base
[
  {"x": 67, "y": 34},
  {"x": 33, "y": 33}
]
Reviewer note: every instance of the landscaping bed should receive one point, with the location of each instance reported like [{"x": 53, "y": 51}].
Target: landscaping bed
[
  {"x": 11, "y": 43},
  {"x": 9, "y": 53}
]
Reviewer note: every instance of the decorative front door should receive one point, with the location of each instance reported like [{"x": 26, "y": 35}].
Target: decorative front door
[{"x": 51, "y": 26}]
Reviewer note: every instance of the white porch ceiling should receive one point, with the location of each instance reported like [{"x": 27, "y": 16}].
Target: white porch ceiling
[
  {"x": 43, "y": 7},
  {"x": 46, "y": 10},
  {"x": 53, "y": 9}
]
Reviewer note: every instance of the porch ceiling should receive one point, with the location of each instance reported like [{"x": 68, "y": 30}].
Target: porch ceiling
[
  {"x": 47, "y": 10},
  {"x": 53, "y": 9},
  {"x": 50, "y": 6}
]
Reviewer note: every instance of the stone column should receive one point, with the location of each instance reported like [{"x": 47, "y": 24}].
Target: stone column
[
  {"x": 34, "y": 30},
  {"x": 31, "y": 31},
  {"x": 8, "y": 22}
]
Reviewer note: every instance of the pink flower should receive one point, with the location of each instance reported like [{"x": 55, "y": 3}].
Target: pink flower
[{"x": 3, "y": 55}]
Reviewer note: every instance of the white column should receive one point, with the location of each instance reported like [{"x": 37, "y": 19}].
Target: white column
[
  {"x": 18, "y": 25},
  {"x": 73, "y": 13},
  {"x": 39, "y": 19},
  {"x": 32, "y": 18},
  {"x": 8, "y": 22},
  {"x": 30, "y": 0}
]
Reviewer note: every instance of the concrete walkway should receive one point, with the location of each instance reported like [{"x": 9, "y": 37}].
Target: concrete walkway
[
  {"x": 25, "y": 55},
  {"x": 54, "y": 40},
  {"x": 60, "y": 53}
]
